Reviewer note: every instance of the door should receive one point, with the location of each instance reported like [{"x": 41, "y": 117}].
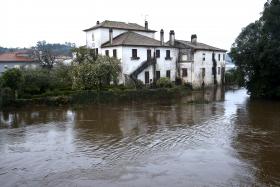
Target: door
[
  {"x": 147, "y": 77},
  {"x": 149, "y": 54},
  {"x": 157, "y": 75}
]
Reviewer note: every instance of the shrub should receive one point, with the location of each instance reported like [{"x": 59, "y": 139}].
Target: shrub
[
  {"x": 7, "y": 96},
  {"x": 12, "y": 79},
  {"x": 36, "y": 81},
  {"x": 164, "y": 82},
  {"x": 96, "y": 74}
]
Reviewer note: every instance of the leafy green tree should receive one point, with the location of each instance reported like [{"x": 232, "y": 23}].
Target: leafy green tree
[
  {"x": 84, "y": 54},
  {"x": 96, "y": 74},
  {"x": 257, "y": 54},
  {"x": 12, "y": 79}
]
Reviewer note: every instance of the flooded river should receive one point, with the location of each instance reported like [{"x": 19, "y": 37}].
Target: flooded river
[{"x": 231, "y": 141}]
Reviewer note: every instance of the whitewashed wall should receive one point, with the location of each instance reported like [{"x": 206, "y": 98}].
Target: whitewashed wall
[
  {"x": 197, "y": 79},
  {"x": 129, "y": 65}
]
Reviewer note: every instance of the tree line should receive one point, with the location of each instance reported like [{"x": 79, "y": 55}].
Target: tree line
[{"x": 256, "y": 52}]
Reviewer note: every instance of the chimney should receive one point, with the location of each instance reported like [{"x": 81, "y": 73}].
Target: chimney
[
  {"x": 194, "y": 39},
  {"x": 172, "y": 37},
  {"x": 111, "y": 36},
  {"x": 146, "y": 25},
  {"x": 161, "y": 37},
  {"x": 97, "y": 23}
]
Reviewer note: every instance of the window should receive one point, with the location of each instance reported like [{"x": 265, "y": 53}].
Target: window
[
  {"x": 184, "y": 72},
  {"x": 107, "y": 52},
  {"x": 219, "y": 57},
  {"x": 149, "y": 54},
  {"x": 203, "y": 72},
  {"x": 203, "y": 57},
  {"x": 167, "y": 55},
  {"x": 6, "y": 66},
  {"x": 134, "y": 54},
  {"x": 115, "y": 53},
  {"x": 147, "y": 77},
  {"x": 96, "y": 51},
  {"x": 224, "y": 57},
  {"x": 168, "y": 74},
  {"x": 157, "y": 75},
  {"x": 219, "y": 70},
  {"x": 92, "y": 37},
  {"x": 184, "y": 58},
  {"x": 158, "y": 53}
]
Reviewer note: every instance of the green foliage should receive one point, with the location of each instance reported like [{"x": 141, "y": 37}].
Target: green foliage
[
  {"x": 12, "y": 79},
  {"x": 164, "y": 82},
  {"x": 84, "y": 55},
  {"x": 7, "y": 96},
  {"x": 256, "y": 53},
  {"x": 61, "y": 77},
  {"x": 96, "y": 74},
  {"x": 234, "y": 77}
]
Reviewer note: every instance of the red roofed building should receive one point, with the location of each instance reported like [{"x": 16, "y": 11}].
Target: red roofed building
[{"x": 19, "y": 59}]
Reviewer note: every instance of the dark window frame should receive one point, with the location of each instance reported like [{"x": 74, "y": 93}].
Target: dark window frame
[
  {"x": 107, "y": 52},
  {"x": 168, "y": 55},
  {"x": 157, "y": 75},
  {"x": 219, "y": 57},
  {"x": 184, "y": 72},
  {"x": 168, "y": 74},
  {"x": 157, "y": 53},
  {"x": 134, "y": 54},
  {"x": 115, "y": 55}
]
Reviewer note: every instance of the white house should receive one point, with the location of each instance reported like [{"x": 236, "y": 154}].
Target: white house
[{"x": 147, "y": 59}]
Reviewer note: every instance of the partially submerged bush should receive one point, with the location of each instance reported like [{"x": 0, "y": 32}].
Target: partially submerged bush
[
  {"x": 96, "y": 74},
  {"x": 164, "y": 82}
]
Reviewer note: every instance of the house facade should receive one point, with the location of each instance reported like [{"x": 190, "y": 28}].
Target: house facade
[
  {"x": 19, "y": 59},
  {"x": 147, "y": 59}
]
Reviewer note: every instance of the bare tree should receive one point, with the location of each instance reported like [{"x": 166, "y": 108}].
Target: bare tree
[{"x": 44, "y": 54}]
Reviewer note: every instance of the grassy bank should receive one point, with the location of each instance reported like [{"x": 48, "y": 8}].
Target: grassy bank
[{"x": 94, "y": 96}]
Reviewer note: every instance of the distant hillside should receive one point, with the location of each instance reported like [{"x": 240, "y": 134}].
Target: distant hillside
[{"x": 59, "y": 49}]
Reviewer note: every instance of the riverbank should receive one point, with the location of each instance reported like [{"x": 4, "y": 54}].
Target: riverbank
[{"x": 103, "y": 96}]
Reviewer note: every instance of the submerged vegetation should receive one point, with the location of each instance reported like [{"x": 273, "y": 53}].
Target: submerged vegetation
[{"x": 89, "y": 79}]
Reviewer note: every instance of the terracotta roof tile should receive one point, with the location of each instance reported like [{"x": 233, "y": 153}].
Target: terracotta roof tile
[{"x": 15, "y": 57}]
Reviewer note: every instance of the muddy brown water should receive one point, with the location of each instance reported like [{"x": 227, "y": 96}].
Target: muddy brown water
[{"x": 231, "y": 141}]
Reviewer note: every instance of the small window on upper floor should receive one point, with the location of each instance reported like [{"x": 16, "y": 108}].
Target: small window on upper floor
[
  {"x": 92, "y": 36},
  {"x": 115, "y": 53},
  {"x": 224, "y": 57},
  {"x": 107, "y": 52},
  {"x": 203, "y": 57},
  {"x": 168, "y": 57},
  {"x": 219, "y": 70},
  {"x": 184, "y": 58},
  {"x": 219, "y": 57},
  {"x": 134, "y": 54},
  {"x": 158, "y": 53}
]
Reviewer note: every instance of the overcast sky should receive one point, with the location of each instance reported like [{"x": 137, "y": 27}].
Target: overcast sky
[{"x": 216, "y": 22}]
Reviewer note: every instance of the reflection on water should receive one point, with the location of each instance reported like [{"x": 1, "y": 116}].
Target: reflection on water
[{"x": 230, "y": 141}]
